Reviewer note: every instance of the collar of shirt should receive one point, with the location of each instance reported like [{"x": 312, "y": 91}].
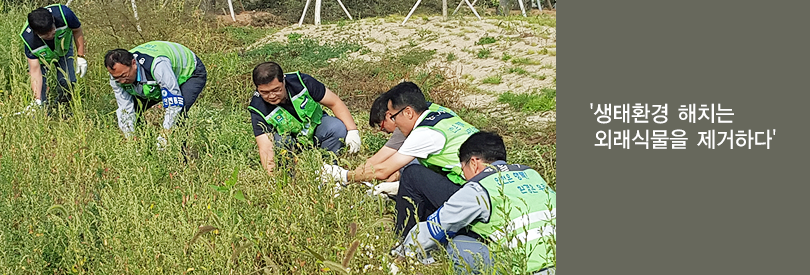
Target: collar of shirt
[
  {"x": 499, "y": 162},
  {"x": 140, "y": 69}
]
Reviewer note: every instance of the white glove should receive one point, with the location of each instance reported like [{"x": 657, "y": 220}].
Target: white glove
[
  {"x": 393, "y": 268},
  {"x": 81, "y": 67},
  {"x": 353, "y": 141},
  {"x": 388, "y": 188},
  {"x": 405, "y": 250},
  {"x": 33, "y": 107},
  {"x": 162, "y": 143},
  {"x": 330, "y": 173}
]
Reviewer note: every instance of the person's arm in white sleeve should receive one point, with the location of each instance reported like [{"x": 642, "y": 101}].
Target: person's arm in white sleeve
[
  {"x": 126, "y": 109},
  {"x": 422, "y": 142},
  {"x": 169, "y": 90}
]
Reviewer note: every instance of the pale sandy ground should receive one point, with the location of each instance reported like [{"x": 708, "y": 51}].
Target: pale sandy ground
[{"x": 457, "y": 36}]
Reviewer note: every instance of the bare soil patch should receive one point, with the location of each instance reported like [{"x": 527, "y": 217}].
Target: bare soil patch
[
  {"x": 491, "y": 55},
  {"x": 253, "y": 18}
]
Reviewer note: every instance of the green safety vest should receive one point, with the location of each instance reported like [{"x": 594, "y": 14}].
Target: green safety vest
[
  {"x": 533, "y": 224},
  {"x": 308, "y": 110},
  {"x": 455, "y": 131},
  {"x": 439, "y": 108},
  {"x": 61, "y": 40},
  {"x": 182, "y": 59}
]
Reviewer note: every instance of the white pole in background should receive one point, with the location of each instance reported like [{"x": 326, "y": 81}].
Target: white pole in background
[
  {"x": 347, "y": 11},
  {"x": 462, "y": 3},
  {"x": 230, "y": 5},
  {"x": 473, "y": 9},
  {"x": 301, "y": 21},
  {"x": 317, "y": 12},
  {"x": 522, "y": 9},
  {"x": 411, "y": 13},
  {"x": 135, "y": 12}
]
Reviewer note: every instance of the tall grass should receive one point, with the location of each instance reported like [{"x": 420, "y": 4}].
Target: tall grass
[
  {"x": 77, "y": 197},
  {"x": 539, "y": 100}
]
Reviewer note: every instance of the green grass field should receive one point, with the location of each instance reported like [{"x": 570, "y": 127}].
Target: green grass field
[{"x": 76, "y": 197}]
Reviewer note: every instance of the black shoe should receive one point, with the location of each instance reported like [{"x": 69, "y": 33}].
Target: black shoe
[{"x": 64, "y": 97}]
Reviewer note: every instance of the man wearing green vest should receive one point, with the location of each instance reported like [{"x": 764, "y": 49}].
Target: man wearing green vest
[
  {"x": 433, "y": 139},
  {"x": 504, "y": 205},
  {"x": 286, "y": 111},
  {"x": 48, "y": 37},
  {"x": 378, "y": 119},
  {"x": 152, "y": 73}
]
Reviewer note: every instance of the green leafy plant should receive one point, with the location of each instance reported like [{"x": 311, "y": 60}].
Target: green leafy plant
[
  {"x": 516, "y": 70},
  {"x": 495, "y": 79},
  {"x": 506, "y": 57},
  {"x": 486, "y": 40},
  {"x": 524, "y": 61},
  {"x": 483, "y": 53},
  {"x": 229, "y": 188}
]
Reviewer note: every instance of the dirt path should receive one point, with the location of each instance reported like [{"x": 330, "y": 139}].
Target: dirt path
[{"x": 521, "y": 56}]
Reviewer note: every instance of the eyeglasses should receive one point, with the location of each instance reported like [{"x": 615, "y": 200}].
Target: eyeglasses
[
  {"x": 393, "y": 117},
  {"x": 463, "y": 164},
  {"x": 278, "y": 91},
  {"x": 382, "y": 125}
]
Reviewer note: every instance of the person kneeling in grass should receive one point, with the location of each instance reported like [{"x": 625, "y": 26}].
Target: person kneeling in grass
[
  {"x": 151, "y": 73},
  {"x": 431, "y": 138},
  {"x": 286, "y": 111},
  {"x": 49, "y": 37},
  {"x": 524, "y": 216},
  {"x": 379, "y": 117}
]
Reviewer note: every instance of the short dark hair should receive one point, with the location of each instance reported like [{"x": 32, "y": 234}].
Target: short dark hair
[
  {"x": 41, "y": 21},
  {"x": 264, "y": 73},
  {"x": 407, "y": 94},
  {"x": 378, "y": 108},
  {"x": 119, "y": 56},
  {"x": 485, "y": 145}
]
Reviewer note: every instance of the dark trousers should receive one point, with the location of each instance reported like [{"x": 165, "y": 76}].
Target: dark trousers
[
  {"x": 190, "y": 90},
  {"x": 65, "y": 77},
  {"x": 427, "y": 189}
]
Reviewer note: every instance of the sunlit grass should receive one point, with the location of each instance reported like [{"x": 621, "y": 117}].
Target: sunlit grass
[{"x": 79, "y": 198}]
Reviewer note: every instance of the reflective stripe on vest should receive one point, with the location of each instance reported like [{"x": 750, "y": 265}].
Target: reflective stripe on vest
[{"x": 521, "y": 193}]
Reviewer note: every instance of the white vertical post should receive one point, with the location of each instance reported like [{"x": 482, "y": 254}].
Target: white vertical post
[
  {"x": 318, "y": 12},
  {"x": 522, "y": 9},
  {"x": 444, "y": 8},
  {"x": 300, "y": 22},
  {"x": 539, "y": 6},
  {"x": 135, "y": 12},
  {"x": 68, "y": 2},
  {"x": 347, "y": 11},
  {"x": 411, "y": 13},
  {"x": 230, "y": 6}
]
